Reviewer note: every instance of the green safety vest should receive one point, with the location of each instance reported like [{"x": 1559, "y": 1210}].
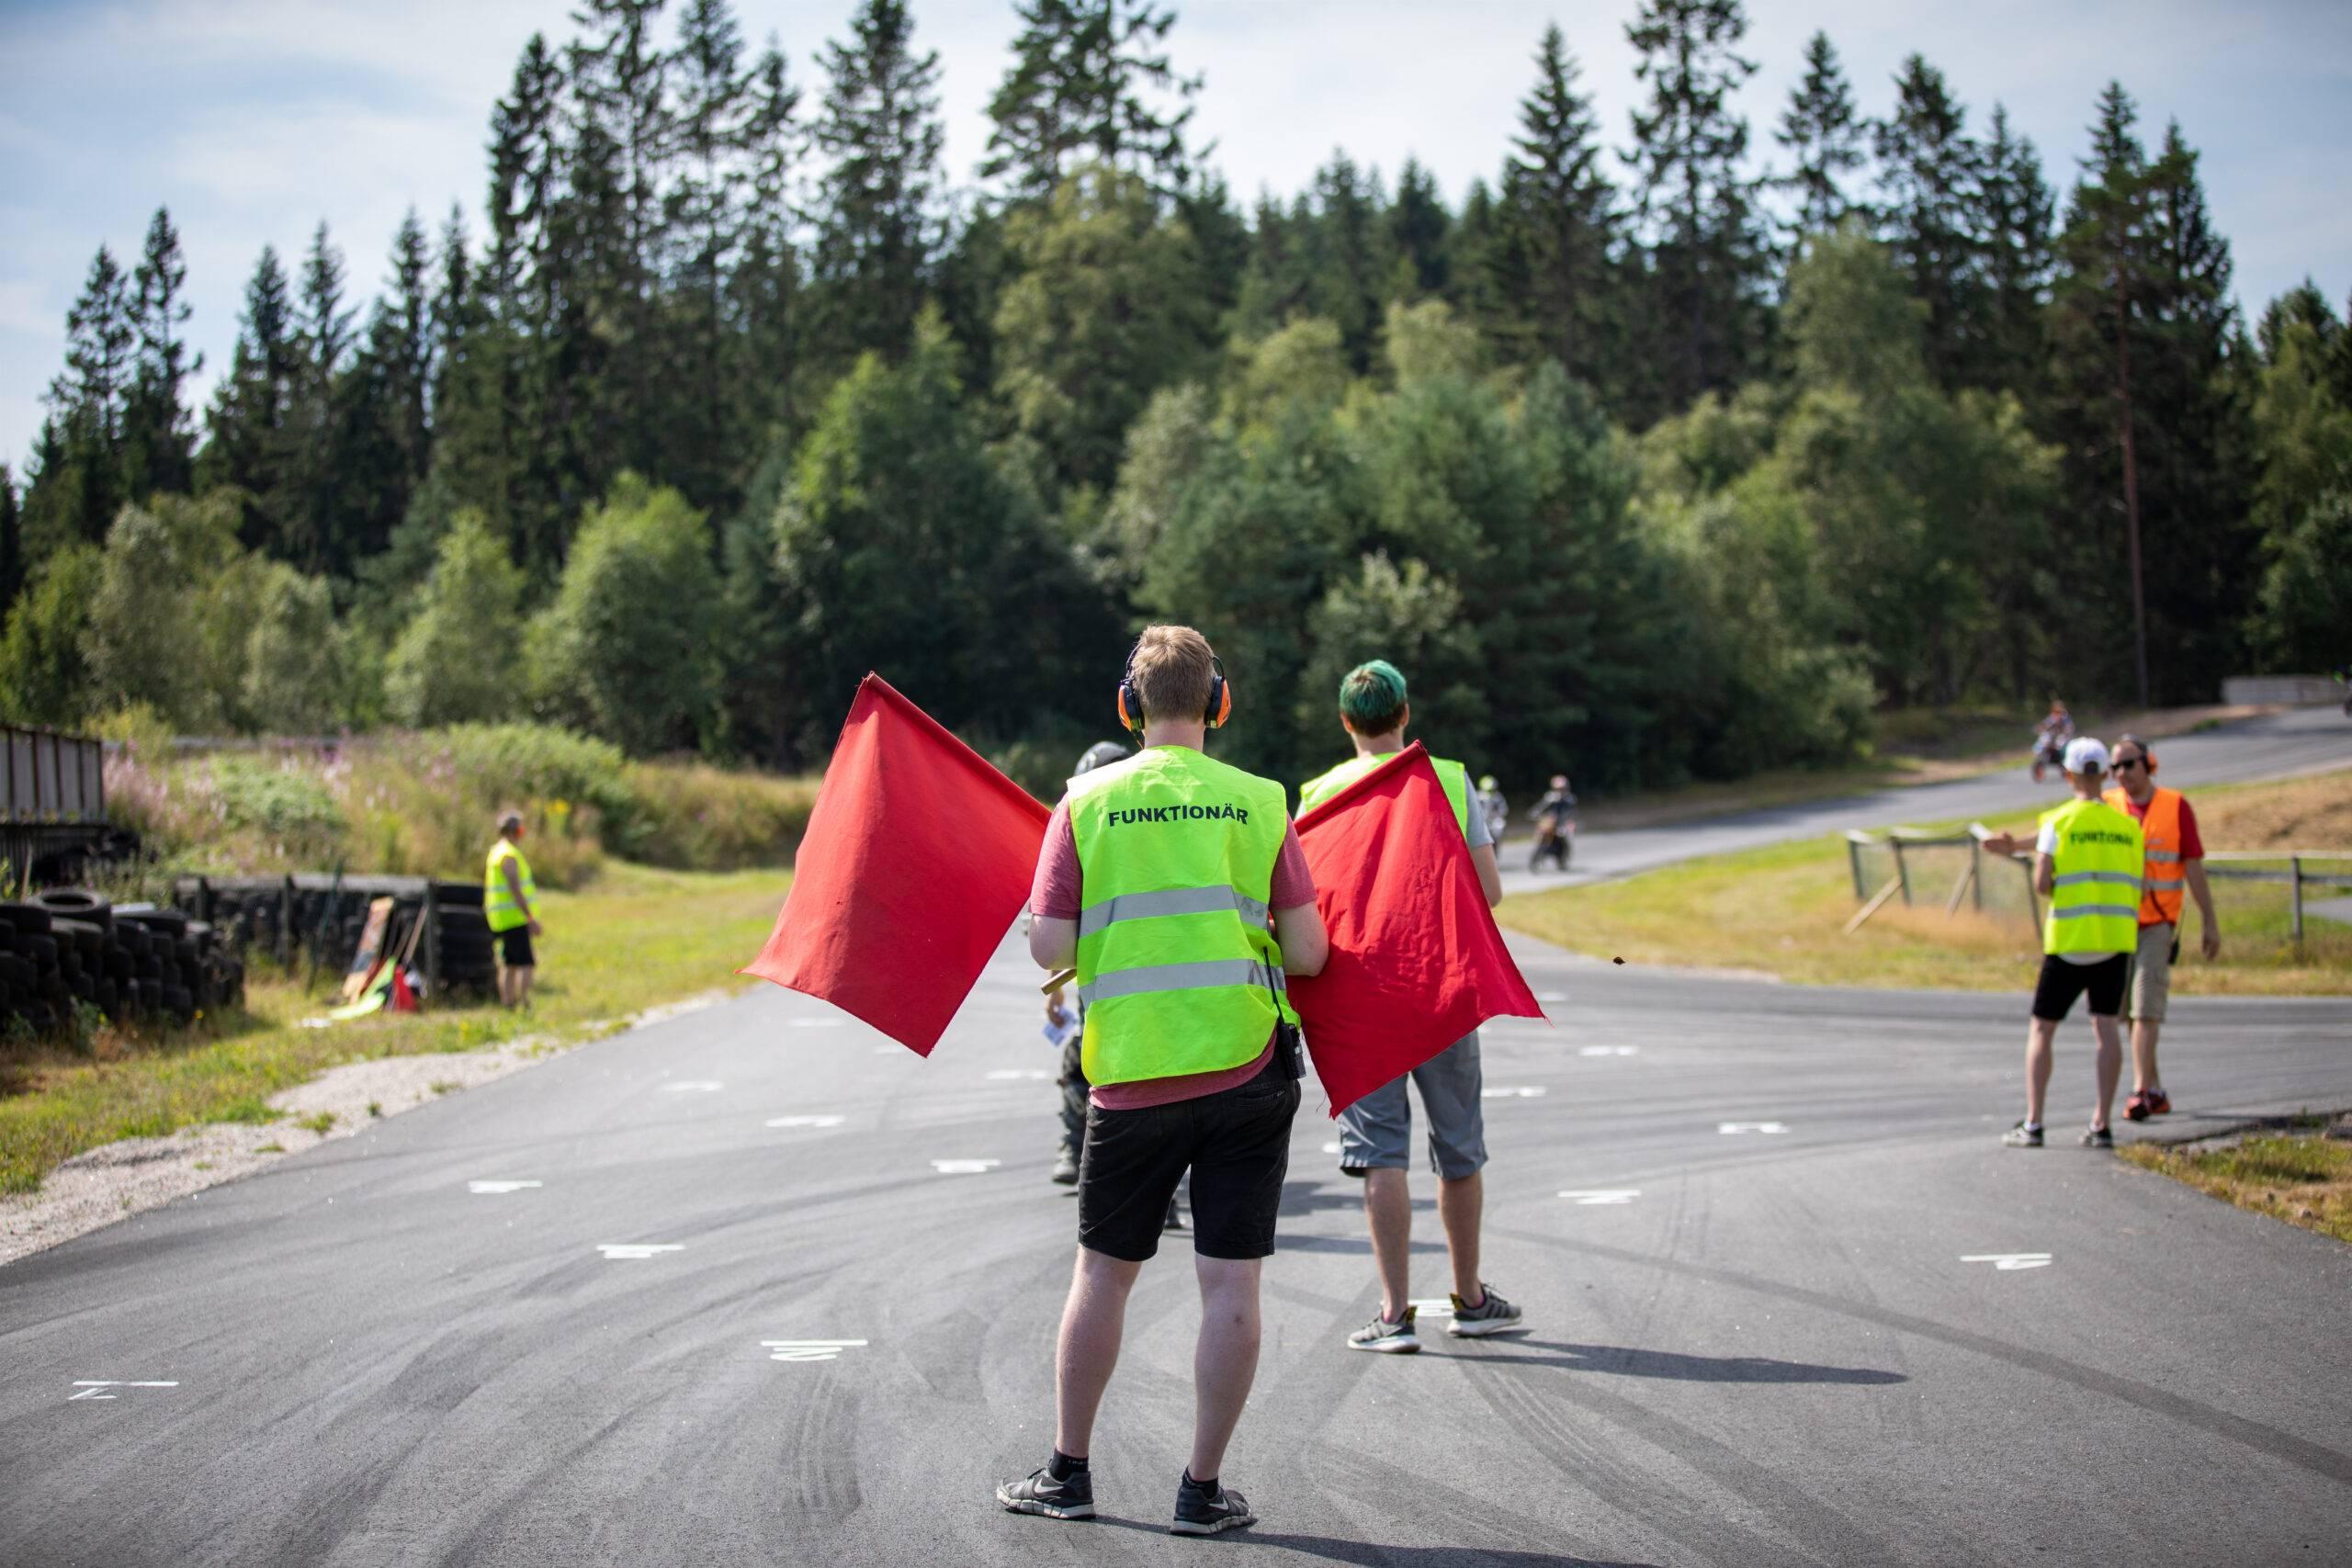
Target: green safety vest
[
  {"x": 498, "y": 905},
  {"x": 1177, "y": 966},
  {"x": 2095, "y": 896},
  {"x": 1453, "y": 775}
]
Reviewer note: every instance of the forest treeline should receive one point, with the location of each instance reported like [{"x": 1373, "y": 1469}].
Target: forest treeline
[{"x": 1664, "y": 452}]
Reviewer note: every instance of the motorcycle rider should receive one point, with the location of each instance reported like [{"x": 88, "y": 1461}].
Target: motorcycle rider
[
  {"x": 2050, "y": 737},
  {"x": 1491, "y": 803},
  {"x": 1559, "y": 806}
]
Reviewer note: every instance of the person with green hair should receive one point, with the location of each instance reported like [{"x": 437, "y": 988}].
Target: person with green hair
[{"x": 1375, "y": 1132}]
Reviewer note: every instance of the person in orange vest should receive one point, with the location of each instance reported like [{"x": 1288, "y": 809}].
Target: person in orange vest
[{"x": 2176, "y": 856}]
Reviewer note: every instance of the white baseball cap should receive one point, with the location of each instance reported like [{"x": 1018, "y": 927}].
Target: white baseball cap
[{"x": 2086, "y": 755}]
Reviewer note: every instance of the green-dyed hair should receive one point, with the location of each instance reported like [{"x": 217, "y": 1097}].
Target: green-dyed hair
[{"x": 1372, "y": 699}]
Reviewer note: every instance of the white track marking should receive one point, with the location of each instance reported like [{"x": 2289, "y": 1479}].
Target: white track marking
[
  {"x": 964, "y": 1166},
  {"x": 805, "y": 1121},
  {"x": 1550, "y": 996},
  {"x": 1594, "y": 1197},
  {"x": 1330, "y": 1148},
  {"x": 692, "y": 1086},
  {"x": 808, "y": 1349},
  {"x": 2009, "y": 1262},
  {"x": 1607, "y": 1050},
  {"x": 493, "y": 1188},
  {"x": 627, "y": 1251},
  {"x": 888, "y": 1051},
  {"x": 1441, "y": 1307},
  {"x": 1527, "y": 1091},
  {"x": 95, "y": 1388},
  {"x": 1007, "y": 1075},
  {"x": 1737, "y": 1127}
]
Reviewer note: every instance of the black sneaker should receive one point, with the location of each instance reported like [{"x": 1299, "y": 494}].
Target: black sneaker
[
  {"x": 1039, "y": 1493},
  {"x": 2098, "y": 1137},
  {"x": 1205, "y": 1510},
  {"x": 2022, "y": 1137}
]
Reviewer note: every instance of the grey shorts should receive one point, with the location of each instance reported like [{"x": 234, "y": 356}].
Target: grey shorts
[
  {"x": 1376, "y": 1131},
  {"x": 2152, "y": 972}
]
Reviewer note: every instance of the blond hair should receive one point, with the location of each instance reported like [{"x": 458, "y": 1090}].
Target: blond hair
[{"x": 1170, "y": 671}]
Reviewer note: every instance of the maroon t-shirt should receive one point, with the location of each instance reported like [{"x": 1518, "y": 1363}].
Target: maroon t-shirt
[{"x": 1056, "y": 895}]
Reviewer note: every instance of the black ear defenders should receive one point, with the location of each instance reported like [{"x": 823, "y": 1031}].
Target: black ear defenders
[
  {"x": 1220, "y": 707},
  {"x": 2145, "y": 755}
]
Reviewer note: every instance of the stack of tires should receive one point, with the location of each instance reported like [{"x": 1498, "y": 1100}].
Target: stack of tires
[
  {"x": 70, "y": 946},
  {"x": 465, "y": 962}
]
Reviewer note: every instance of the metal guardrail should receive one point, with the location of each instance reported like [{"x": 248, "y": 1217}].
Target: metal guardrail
[{"x": 2296, "y": 875}]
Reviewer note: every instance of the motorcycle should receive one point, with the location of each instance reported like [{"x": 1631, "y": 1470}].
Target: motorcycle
[
  {"x": 2049, "y": 751},
  {"x": 1556, "y": 837}
]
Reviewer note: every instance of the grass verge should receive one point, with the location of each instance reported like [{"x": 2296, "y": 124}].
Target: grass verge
[
  {"x": 1781, "y": 910},
  {"x": 635, "y": 939},
  {"x": 2297, "y": 1174}
]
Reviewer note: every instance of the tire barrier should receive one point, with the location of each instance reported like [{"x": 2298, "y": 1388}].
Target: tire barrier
[
  {"x": 319, "y": 922},
  {"x": 70, "y": 947}
]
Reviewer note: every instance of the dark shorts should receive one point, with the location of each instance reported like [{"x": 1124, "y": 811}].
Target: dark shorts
[
  {"x": 514, "y": 947},
  {"x": 1237, "y": 1144},
  {"x": 2061, "y": 983}
]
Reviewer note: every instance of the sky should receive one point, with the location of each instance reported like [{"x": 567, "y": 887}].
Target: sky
[{"x": 254, "y": 119}]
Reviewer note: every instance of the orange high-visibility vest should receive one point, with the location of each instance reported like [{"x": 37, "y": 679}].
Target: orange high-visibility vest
[{"x": 2161, "y": 883}]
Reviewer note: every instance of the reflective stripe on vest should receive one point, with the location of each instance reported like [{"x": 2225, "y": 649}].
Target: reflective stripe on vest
[
  {"x": 2098, "y": 849},
  {"x": 1453, "y": 776},
  {"x": 2161, "y": 882},
  {"x": 1176, "y": 964},
  {"x": 498, "y": 905}
]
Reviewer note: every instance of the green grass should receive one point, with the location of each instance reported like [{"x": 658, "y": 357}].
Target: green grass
[
  {"x": 1781, "y": 910},
  {"x": 636, "y": 937},
  {"x": 2299, "y": 1175}
]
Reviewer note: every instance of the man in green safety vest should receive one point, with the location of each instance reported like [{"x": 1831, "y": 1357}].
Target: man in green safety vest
[
  {"x": 2088, "y": 859},
  {"x": 1376, "y": 1131},
  {"x": 1175, "y": 885},
  {"x": 510, "y": 902}
]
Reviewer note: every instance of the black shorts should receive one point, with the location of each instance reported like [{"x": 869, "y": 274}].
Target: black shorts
[
  {"x": 1235, "y": 1142},
  {"x": 514, "y": 946},
  {"x": 2061, "y": 983}
]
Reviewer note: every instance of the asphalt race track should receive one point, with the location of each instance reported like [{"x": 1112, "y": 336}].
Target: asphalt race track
[
  {"x": 754, "y": 1285},
  {"x": 2283, "y": 745}
]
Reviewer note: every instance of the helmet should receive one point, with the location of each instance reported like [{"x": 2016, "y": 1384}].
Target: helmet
[
  {"x": 1559, "y": 781},
  {"x": 1102, "y": 754},
  {"x": 1487, "y": 780}
]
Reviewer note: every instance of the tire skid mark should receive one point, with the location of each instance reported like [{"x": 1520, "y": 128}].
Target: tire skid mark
[
  {"x": 2303, "y": 1454},
  {"x": 1377, "y": 1485}
]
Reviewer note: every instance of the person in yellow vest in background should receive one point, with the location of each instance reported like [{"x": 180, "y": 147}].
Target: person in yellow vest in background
[
  {"x": 2175, "y": 858},
  {"x": 1176, "y": 886},
  {"x": 510, "y": 901},
  {"x": 2088, "y": 860},
  {"x": 1376, "y": 1131}
]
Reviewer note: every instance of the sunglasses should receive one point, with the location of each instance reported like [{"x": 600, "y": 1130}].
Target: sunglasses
[{"x": 2124, "y": 762}]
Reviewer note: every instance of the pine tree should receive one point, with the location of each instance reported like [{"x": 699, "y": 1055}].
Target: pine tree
[
  {"x": 389, "y": 434},
  {"x": 322, "y": 538},
  {"x": 1825, "y": 137},
  {"x": 1565, "y": 209},
  {"x": 879, "y": 229},
  {"x": 1074, "y": 91},
  {"x": 1418, "y": 225},
  {"x": 2012, "y": 222},
  {"x": 1349, "y": 263},
  {"x": 11, "y": 543},
  {"x": 245, "y": 446},
  {"x": 766, "y": 281},
  {"x": 706, "y": 220},
  {"x": 1706, "y": 261},
  {"x": 629, "y": 136},
  {"x": 1928, "y": 172},
  {"x": 78, "y": 486},
  {"x": 159, "y": 442}
]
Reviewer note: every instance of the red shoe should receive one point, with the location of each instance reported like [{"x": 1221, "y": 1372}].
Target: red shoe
[
  {"x": 2138, "y": 1107},
  {"x": 2159, "y": 1102}
]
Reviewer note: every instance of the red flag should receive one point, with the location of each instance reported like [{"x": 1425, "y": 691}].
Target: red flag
[
  {"x": 918, "y": 856},
  {"x": 1416, "y": 960}
]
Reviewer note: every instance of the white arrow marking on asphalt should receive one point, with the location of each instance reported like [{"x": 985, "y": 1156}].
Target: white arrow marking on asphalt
[
  {"x": 91, "y": 1387},
  {"x": 1528, "y": 1092},
  {"x": 494, "y": 1188},
  {"x": 805, "y": 1121},
  {"x": 816, "y": 1022},
  {"x": 808, "y": 1349},
  {"x": 1750, "y": 1127},
  {"x": 1441, "y": 1307},
  {"x": 1005, "y": 1075},
  {"x": 2009, "y": 1262},
  {"x": 1607, "y": 1050},
  {"x": 1592, "y": 1196},
  {"x": 692, "y": 1086},
  {"x": 964, "y": 1166},
  {"x": 623, "y": 1251}
]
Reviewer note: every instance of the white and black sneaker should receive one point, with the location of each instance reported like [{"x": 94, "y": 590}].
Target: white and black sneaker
[
  {"x": 1039, "y": 1493},
  {"x": 1397, "y": 1338},
  {"x": 1206, "y": 1509},
  {"x": 2024, "y": 1135},
  {"x": 1491, "y": 1315}
]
